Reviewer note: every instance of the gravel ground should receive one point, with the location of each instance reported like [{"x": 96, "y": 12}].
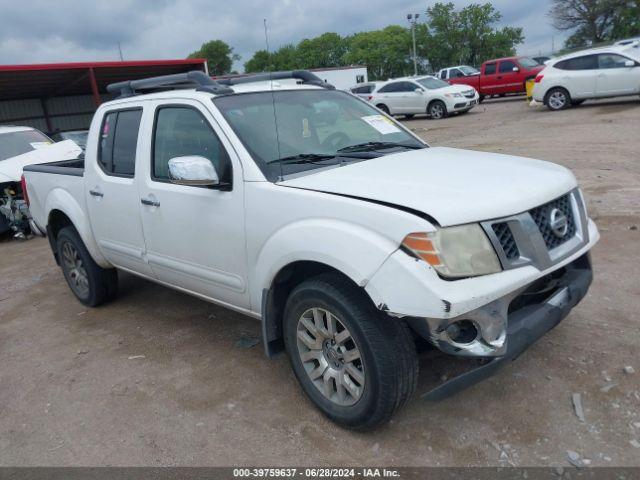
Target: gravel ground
[{"x": 159, "y": 378}]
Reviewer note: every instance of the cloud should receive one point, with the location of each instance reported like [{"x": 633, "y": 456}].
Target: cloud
[{"x": 32, "y": 31}]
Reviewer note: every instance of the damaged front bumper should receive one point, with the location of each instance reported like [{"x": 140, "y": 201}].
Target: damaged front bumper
[{"x": 526, "y": 316}]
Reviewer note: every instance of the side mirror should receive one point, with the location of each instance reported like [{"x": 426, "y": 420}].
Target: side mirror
[
  {"x": 192, "y": 170},
  {"x": 418, "y": 91},
  {"x": 629, "y": 63},
  {"x": 516, "y": 69}
]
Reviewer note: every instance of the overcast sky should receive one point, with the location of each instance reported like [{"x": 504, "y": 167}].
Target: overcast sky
[{"x": 41, "y": 31}]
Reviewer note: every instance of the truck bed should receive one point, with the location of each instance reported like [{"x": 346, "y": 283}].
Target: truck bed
[{"x": 73, "y": 167}]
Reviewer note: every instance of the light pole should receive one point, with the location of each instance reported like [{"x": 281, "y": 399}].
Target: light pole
[{"x": 413, "y": 19}]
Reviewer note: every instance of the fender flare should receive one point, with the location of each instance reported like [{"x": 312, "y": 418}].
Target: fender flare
[
  {"x": 353, "y": 250},
  {"x": 61, "y": 200}
]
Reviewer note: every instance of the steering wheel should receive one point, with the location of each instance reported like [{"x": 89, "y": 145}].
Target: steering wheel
[{"x": 335, "y": 140}]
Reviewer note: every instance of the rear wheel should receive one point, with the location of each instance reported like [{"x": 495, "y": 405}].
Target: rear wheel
[
  {"x": 357, "y": 365},
  {"x": 90, "y": 283},
  {"x": 557, "y": 99},
  {"x": 437, "y": 110},
  {"x": 383, "y": 107}
]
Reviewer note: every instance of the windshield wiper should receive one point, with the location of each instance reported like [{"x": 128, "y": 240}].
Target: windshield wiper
[
  {"x": 369, "y": 146},
  {"x": 303, "y": 158}
]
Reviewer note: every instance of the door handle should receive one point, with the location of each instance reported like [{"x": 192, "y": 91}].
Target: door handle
[
  {"x": 151, "y": 203},
  {"x": 96, "y": 193}
]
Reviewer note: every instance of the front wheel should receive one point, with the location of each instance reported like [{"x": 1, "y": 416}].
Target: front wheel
[
  {"x": 437, "y": 110},
  {"x": 357, "y": 365},
  {"x": 558, "y": 99},
  {"x": 90, "y": 283}
]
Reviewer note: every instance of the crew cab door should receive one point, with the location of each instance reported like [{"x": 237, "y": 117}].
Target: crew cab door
[
  {"x": 489, "y": 83},
  {"x": 195, "y": 236},
  {"x": 614, "y": 77},
  {"x": 508, "y": 80},
  {"x": 111, "y": 191}
]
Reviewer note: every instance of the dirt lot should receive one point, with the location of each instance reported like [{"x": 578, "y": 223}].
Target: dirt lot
[{"x": 157, "y": 377}]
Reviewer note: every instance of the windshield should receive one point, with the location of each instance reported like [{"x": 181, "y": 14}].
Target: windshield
[
  {"x": 79, "y": 137},
  {"x": 293, "y": 131},
  {"x": 527, "y": 62},
  {"x": 432, "y": 83},
  {"x": 469, "y": 70},
  {"x": 13, "y": 144}
]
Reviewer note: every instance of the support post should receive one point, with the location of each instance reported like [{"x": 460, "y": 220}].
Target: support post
[
  {"x": 45, "y": 112},
  {"x": 94, "y": 88}
]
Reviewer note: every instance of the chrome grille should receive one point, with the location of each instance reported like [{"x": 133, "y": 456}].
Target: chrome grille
[
  {"x": 528, "y": 238},
  {"x": 542, "y": 216},
  {"x": 506, "y": 239}
]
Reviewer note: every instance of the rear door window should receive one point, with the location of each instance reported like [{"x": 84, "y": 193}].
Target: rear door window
[
  {"x": 490, "y": 69},
  {"x": 119, "y": 141},
  {"x": 390, "y": 88},
  {"x": 587, "y": 62}
]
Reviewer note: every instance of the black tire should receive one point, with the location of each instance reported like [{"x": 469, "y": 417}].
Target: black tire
[
  {"x": 480, "y": 98},
  {"x": 557, "y": 99},
  {"x": 101, "y": 284},
  {"x": 437, "y": 110},
  {"x": 387, "y": 351},
  {"x": 384, "y": 108},
  {"x": 409, "y": 116}
]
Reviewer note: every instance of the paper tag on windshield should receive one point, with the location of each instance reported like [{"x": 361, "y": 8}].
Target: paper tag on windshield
[{"x": 381, "y": 124}]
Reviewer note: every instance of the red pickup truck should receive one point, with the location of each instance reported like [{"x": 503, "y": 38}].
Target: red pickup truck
[{"x": 501, "y": 76}]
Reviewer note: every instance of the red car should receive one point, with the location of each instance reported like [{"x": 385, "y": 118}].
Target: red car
[{"x": 502, "y": 76}]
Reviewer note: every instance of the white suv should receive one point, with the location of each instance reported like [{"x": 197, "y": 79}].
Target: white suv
[
  {"x": 595, "y": 73},
  {"x": 413, "y": 95}
]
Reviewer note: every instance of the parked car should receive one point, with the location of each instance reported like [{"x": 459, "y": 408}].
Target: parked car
[
  {"x": 78, "y": 136},
  {"x": 628, "y": 41},
  {"x": 345, "y": 234},
  {"x": 502, "y": 76},
  {"x": 423, "y": 95},
  {"x": 594, "y": 73},
  {"x": 20, "y": 146},
  {"x": 457, "y": 72},
  {"x": 364, "y": 90}
]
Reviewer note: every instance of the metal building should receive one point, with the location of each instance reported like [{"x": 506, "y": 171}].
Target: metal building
[{"x": 64, "y": 96}]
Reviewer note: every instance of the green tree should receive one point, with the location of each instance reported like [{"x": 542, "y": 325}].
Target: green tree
[
  {"x": 386, "y": 52},
  {"x": 595, "y": 21},
  {"x": 219, "y": 55},
  {"x": 324, "y": 51},
  {"x": 467, "y": 36}
]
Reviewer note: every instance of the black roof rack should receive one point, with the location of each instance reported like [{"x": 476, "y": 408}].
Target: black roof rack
[
  {"x": 198, "y": 79},
  {"x": 307, "y": 78}
]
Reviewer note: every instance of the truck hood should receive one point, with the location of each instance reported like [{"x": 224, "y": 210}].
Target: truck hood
[
  {"x": 11, "y": 168},
  {"x": 450, "y": 185}
]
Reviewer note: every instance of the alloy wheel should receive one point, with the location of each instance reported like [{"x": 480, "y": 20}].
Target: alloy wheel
[
  {"x": 76, "y": 272},
  {"x": 437, "y": 111},
  {"x": 557, "y": 100},
  {"x": 330, "y": 356}
]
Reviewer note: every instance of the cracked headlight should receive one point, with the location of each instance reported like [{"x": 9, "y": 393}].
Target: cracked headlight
[{"x": 455, "y": 252}]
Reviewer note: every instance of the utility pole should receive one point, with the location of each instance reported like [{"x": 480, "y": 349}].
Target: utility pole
[
  {"x": 413, "y": 19},
  {"x": 120, "y": 51}
]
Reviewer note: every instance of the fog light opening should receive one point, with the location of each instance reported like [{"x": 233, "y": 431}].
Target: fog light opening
[{"x": 463, "y": 331}]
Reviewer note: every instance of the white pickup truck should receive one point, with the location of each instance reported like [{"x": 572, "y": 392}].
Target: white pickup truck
[{"x": 312, "y": 211}]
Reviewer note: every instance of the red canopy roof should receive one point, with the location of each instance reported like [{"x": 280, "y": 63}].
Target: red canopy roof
[{"x": 61, "y": 79}]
